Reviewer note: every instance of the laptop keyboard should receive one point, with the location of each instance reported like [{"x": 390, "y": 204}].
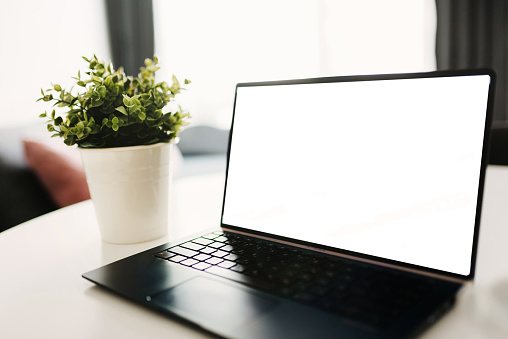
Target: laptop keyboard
[{"x": 357, "y": 291}]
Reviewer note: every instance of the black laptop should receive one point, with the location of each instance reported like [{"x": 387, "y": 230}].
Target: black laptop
[{"x": 351, "y": 210}]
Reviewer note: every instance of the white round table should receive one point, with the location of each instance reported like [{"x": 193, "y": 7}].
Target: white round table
[{"x": 43, "y": 295}]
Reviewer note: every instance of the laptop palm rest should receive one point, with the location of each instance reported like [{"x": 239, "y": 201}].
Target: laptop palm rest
[{"x": 214, "y": 303}]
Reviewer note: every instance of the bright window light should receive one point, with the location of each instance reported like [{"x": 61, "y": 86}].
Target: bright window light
[
  {"x": 219, "y": 43},
  {"x": 43, "y": 42}
]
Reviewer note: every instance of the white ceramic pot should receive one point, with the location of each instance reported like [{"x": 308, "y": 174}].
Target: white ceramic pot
[{"x": 129, "y": 187}]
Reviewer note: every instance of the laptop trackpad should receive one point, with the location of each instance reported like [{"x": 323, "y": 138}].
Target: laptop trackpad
[{"x": 209, "y": 301}]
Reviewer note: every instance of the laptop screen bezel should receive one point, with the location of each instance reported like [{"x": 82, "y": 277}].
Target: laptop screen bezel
[{"x": 362, "y": 256}]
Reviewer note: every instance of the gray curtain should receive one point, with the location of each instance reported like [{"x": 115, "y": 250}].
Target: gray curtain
[
  {"x": 473, "y": 34},
  {"x": 131, "y": 33}
]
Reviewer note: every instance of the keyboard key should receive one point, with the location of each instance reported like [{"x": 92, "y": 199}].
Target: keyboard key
[
  {"x": 252, "y": 272},
  {"x": 217, "y": 244},
  {"x": 301, "y": 286},
  {"x": 202, "y": 241},
  {"x": 208, "y": 250},
  {"x": 238, "y": 268},
  {"x": 177, "y": 258},
  {"x": 192, "y": 246},
  {"x": 202, "y": 257},
  {"x": 201, "y": 266},
  {"x": 319, "y": 291},
  {"x": 220, "y": 254},
  {"x": 244, "y": 260},
  {"x": 214, "y": 261},
  {"x": 226, "y": 264},
  {"x": 231, "y": 257},
  {"x": 189, "y": 262},
  {"x": 183, "y": 251},
  {"x": 210, "y": 236},
  {"x": 285, "y": 281},
  {"x": 323, "y": 281},
  {"x": 306, "y": 277},
  {"x": 221, "y": 239},
  {"x": 227, "y": 248},
  {"x": 239, "y": 250}
]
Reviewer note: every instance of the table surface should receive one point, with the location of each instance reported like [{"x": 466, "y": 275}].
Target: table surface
[{"x": 43, "y": 294}]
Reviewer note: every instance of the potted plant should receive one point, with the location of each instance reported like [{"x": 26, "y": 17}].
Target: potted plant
[{"x": 125, "y": 137}]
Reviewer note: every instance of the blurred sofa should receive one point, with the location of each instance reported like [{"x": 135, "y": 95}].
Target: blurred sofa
[
  {"x": 23, "y": 196},
  {"x": 39, "y": 174}
]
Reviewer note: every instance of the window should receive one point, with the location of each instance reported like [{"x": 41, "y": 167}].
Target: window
[
  {"x": 219, "y": 43},
  {"x": 43, "y": 42}
]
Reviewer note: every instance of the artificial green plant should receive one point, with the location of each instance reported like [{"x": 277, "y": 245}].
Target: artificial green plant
[{"x": 115, "y": 110}]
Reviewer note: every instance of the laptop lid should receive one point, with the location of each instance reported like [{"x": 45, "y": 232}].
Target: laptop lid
[{"x": 385, "y": 167}]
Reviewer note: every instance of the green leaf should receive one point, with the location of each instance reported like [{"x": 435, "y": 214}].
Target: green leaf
[
  {"x": 97, "y": 103},
  {"x": 122, "y": 110},
  {"x": 102, "y": 91},
  {"x": 109, "y": 81},
  {"x": 175, "y": 88},
  {"x": 57, "y": 87},
  {"x": 69, "y": 141},
  {"x": 74, "y": 111},
  {"x": 127, "y": 101}
]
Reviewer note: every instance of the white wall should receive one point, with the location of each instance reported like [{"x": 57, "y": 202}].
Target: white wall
[
  {"x": 219, "y": 43},
  {"x": 42, "y": 42}
]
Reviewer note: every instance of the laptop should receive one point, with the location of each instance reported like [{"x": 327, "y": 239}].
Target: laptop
[{"x": 351, "y": 209}]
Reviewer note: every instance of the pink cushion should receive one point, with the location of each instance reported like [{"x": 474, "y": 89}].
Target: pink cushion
[{"x": 59, "y": 169}]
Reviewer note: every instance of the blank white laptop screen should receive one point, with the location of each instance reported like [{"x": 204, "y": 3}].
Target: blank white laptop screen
[{"x": 388, "y": 168}]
